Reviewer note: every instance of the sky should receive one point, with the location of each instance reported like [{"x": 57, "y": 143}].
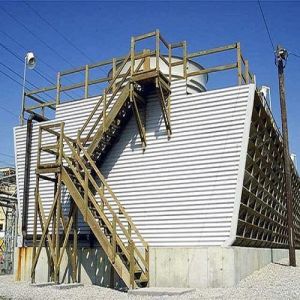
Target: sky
[{"x": 101, "y": 30}]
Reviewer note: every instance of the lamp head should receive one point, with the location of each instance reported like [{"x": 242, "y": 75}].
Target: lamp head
[{"x": 30, "y": 60}]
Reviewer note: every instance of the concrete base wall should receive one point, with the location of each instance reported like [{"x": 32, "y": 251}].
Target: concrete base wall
[
  {"x": 169, "y": 267},
  {"x": 93, "y": 268},
  {"x": 208, "y": 267}
]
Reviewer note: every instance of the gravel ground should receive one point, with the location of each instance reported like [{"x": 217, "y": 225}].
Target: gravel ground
[{"x": 275, "y": 281}]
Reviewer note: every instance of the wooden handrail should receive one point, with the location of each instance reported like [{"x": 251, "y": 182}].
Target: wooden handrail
[
  {"x": 105, "y": 201},
  {"x": 101, "y": 99}
]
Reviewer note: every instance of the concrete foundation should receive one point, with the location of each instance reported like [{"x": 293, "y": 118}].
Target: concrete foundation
[{"x": 169, "y": 267}]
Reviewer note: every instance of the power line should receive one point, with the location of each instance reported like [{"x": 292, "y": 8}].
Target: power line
[
  {"x": 294, "y": 54},
  {"x": 11, "y": 78},
  {"x": 36, "y": 71},
  {"x": 36, "y": 36},
  {"x": 6, "y": 163},
  {"x": 57, "y": 31},
  {"x": 22, "y": 61},
  {"x": 60, "y": 33},
  {"x": 25, "y": 50},
  {"x": 11, "y": 70},
  {"x": 8, "y": 111},
  {"x": 33, "y": 85},
  {"x": 266, "y": 25},
  {"x": 7, "y": 155}
]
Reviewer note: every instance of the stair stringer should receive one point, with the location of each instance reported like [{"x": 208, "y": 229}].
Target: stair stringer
[{"x": 95, "y": 227}]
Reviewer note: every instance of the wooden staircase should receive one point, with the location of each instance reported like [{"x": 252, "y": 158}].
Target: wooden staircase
[{"x": 75, "y": 166}]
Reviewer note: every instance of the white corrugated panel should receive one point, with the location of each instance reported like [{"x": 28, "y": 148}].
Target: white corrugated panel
[{"x": 179, "y": 191}]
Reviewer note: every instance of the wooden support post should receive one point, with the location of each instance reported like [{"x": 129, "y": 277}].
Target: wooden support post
[
  {"x": 157, "y": 50},
  {"x": 147, "y": 258},
  {"x": 239, "y": 63},
  {"x": 170, "y": 61},
  {"x": 281, "y": 56},
  {"x": 129, "y": 230},
  {"x": 86, "y": 82},
  {"x": 147, "y": 60},
  {"x": 57, "y": 231},
  {"x": 86, "y": 195},
  {"x": 131, "y": 263},
  {"x": 114, "y": 238},
  {"x": 58, "y": 205},
  {"x": 36, "y": 191},
  {"x": 184, "y": 59},
  {"x": 247, "y": 75},
  {"x": 104, "y": 110},
  {"x": 114, "y": 69},
  {"x": 132, "y": 55},
  {"x": 75, "y": 238},
  {"x": 58, "y": 86}
]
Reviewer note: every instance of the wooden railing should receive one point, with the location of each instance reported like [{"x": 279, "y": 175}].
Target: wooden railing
[{"x": 161, "y": 50}]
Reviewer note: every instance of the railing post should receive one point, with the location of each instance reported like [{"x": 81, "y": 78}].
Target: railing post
[
  {"x": 132, "y": 58},
  {"x": 157, "y": 40},
  {"x": 184, "y": 60},
  {"x": 114, "y": 238},
  {"x": 147, "y": 262},
  {"x": 170, "y": 61},
  {"x": 35, "y": 227},
  {"x": 129, "y": 230},
  {"x": 86, "y": 195},
  {"x": 40, "y": 136},
  {"x": 247, "y": 71},
  {"x": 58, "y": 204},
  {"x": 58, "y": 85},
  {"x": 61, "y": 143},
  {"x": 131, "y": 263},
  {"x": 86, "y": 82},
  {"x": 104, "y": 111},
  {"x": 147, "y": 59},
  {"x": 23, "y": 108},
  {"x": 114, "y": 69},
  {"x": 75, "y": 237},
  {"x": 239, "y": 63}
]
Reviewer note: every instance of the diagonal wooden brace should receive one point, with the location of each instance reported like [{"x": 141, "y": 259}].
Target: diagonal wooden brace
[
  {"x": 165, "y": 106},
  {"x": 141, "y": 126}
]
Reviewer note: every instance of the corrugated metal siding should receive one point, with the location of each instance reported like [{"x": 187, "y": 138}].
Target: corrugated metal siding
[{"x": 180, "y": 191}]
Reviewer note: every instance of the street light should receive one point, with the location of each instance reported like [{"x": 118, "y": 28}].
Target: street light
[{"x": 30, "y": 63}]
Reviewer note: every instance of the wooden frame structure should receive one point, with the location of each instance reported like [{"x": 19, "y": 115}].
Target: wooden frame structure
[
  {"x": 36, "y": 105},
  {"x": 262, "y": 218}
]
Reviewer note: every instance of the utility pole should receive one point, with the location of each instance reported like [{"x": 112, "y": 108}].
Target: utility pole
[{"x": 281, "y": 57}]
